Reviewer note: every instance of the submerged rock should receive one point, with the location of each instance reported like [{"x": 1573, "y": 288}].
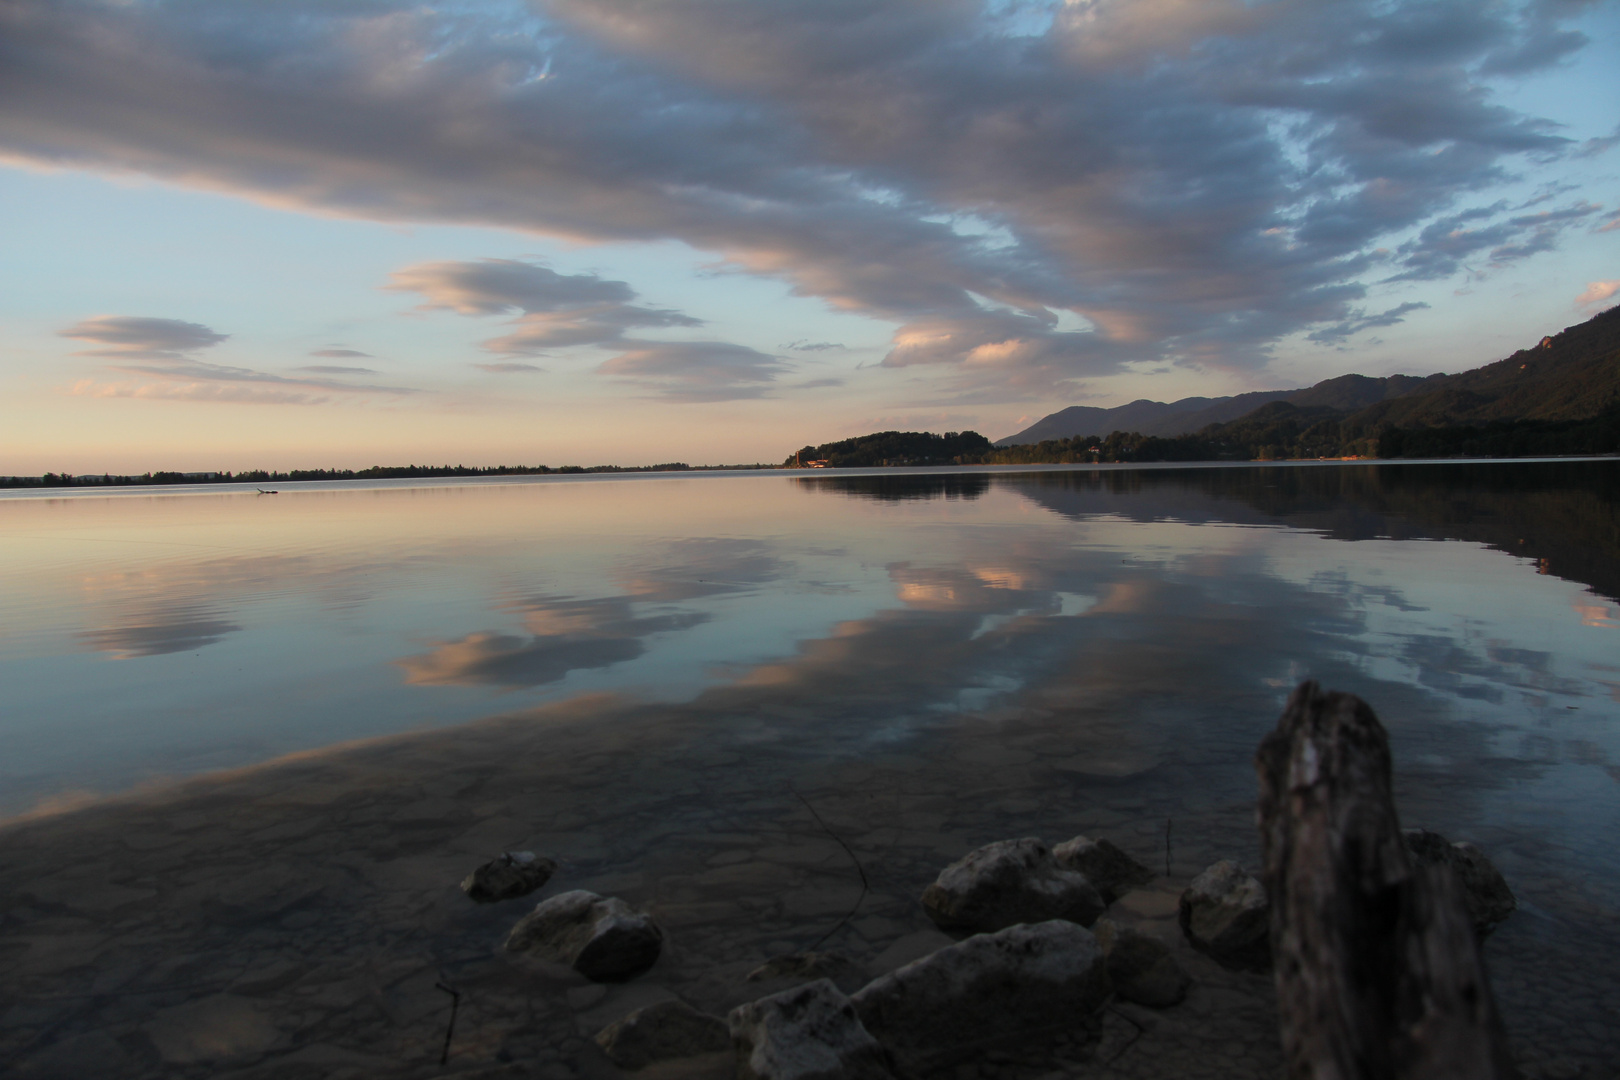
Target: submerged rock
[
  {"x": 805, "y": 966},
  {"x": 810, "y": 1032},
  {"x": 605, "y": 940},
  {"x": 1225, "y": 912},
  {"x": 1111, "y": 872},
  {"x": 661, "y": 1032},
  {"x": 513, "y": 874},
  {"x": 1141, "y": 968},
  {"x": 987, "y": 991},
  {"x": 1006, "y": 883},
  {"x": 1485, "y": 890}
]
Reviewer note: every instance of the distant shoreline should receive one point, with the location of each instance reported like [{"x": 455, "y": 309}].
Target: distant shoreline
[{"x": 368, "y": 479}]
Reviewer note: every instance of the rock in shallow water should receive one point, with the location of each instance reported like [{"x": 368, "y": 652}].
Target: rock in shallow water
[
  {"x": 1485, "y": 890},
  {"x": 1111, "y": 872},
  {"x": 603, "y": 939},
  {"x": 805, "y": 966},
  {"x": 810, "y": 1032},
  {"x": 514, "y": 874},
  {"x": 1141, "y": 968},
  {"x": 1225, "y": 913},
  {"x": 662, "y": 1032},
  {"x": 1006, "y": 883},
  {"x": 986, "y": 991}
]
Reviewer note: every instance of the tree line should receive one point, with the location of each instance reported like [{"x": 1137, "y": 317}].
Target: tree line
[{"x": 375, "y": 472}]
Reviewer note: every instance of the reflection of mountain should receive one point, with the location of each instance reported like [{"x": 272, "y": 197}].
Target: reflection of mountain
[
  {"x": 898, "y": 487},
  {"x": 1564, "y": 514}
]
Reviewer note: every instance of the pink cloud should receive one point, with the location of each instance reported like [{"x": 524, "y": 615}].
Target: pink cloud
[{"x": 1597, "y": 292}]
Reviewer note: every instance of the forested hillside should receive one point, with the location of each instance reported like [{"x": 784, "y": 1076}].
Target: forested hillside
[
  {"x": 1561, "y": 396},
  {"x": 894, "y": 448}
]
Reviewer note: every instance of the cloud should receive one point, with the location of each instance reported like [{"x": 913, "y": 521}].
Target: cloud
[
  {"x": 1360, "y": 321},
  {"x": 337, "y": 369},
  {"x": 157, "y": 352},
  {"x": 509, "y": 369},
  {"x": 1197, "y": 181},
  {"x": 1448, "y": 244},
  {"x": 502, "y": 286},
  {"x": 557, "y": 310},
  {"x": 341, "y": 354},
  {"x": 1597, "y": 292},
  {"x": 141, "y": 336},
  {"x": 812, "y": 346},
  {"x": 696, "y": 370},
  {"x": 1610, "y": 223},
  {"x": 1601, "y": 145}
]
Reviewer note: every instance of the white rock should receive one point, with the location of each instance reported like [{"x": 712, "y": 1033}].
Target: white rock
[
  {"x": 602, "y": 939},
  {"x": 810, "y": 1032},
  {"x": 1226, "y": 913},
  {"x": 1009, "y": 882}
]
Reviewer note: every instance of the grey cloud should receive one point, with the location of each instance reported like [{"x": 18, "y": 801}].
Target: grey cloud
[
  {"x": 1594, "y": 147},
  {"x": 1360, "y": 321},
  {"x": 142, "y": 336},
  {"x": 1443, "y": 247},
  {"x": 502, "y": 286},
  {"x": 509, "y": 369},
  {"x": 337, "y": 369},
  {"x": 812, "y": 346},
  {"x": 1197, "y": 182},
  {"x": 536, "y": 333},
  {"x": 557, "y": 310},
  {"x": 158, "y": 350},
  {"x": 696, "y": 370},
  {"x": 340, "y": 354},
  {"x": 188, "y": 370}
]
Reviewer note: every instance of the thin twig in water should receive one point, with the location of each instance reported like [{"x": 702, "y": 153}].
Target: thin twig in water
[
  {"x": 859, "y": 869},
  {"x": 1140, "y": 1031},
  {"x": 450, "y": 1030}
]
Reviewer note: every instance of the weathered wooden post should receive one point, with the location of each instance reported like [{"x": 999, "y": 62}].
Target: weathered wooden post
[{"x": 1378, "y": 971}]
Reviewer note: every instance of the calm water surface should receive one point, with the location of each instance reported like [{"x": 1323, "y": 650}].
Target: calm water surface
[
  {"x": 1038, "y": 652},
  {"x": 147, "y": 636}
]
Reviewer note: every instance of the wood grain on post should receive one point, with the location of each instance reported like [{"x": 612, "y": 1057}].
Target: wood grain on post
[{"x": 1377, "y": 968}]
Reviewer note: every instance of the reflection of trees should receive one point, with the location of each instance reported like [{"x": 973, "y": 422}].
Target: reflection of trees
[
  {"x": 898, "y": 487},
  {"x": 1564, "y": 514}
]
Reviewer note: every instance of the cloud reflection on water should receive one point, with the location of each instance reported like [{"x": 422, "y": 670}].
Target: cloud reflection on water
[
  {"x": 568, "y": 634},
  {"x": 565, "y": 635},
  {"x": 183, "y": 628}
]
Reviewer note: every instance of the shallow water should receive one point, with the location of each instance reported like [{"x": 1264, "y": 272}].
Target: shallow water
[{"x": 684, "y": 667}]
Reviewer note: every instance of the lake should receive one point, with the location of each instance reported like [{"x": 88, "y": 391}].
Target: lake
[{"x": 250, "y": 743}]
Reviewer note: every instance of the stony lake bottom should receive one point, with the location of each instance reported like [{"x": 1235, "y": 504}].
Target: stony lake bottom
[{"x": 251, "y": 744}]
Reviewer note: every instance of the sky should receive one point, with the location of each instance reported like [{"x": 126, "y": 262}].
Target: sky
[{"x": 336, "y": 233}]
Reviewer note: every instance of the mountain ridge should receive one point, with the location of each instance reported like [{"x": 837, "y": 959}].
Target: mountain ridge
[
  {"x": 1187, "y": 415},
  {"x": 1560, "y": 396}
]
